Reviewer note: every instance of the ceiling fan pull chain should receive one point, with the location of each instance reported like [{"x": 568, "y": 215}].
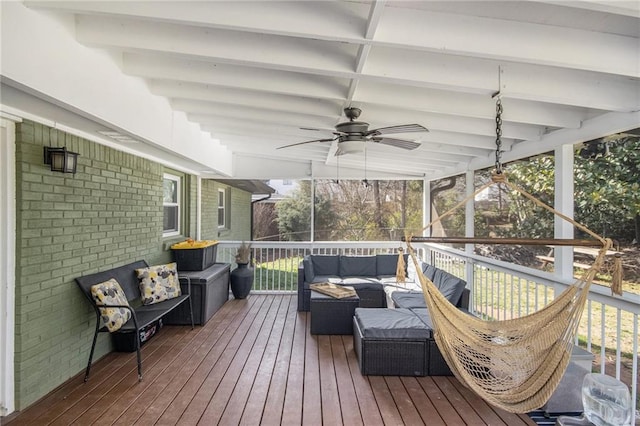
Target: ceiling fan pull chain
[{"x": 498, "y": 134}]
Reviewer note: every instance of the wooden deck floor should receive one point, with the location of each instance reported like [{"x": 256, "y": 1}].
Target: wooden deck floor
[{"x": 255, "y": 362}]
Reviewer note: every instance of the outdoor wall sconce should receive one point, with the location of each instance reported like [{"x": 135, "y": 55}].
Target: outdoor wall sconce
[{"x": 60, "y": 159}]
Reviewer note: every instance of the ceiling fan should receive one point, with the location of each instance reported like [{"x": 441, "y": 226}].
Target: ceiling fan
[{"x": 352, "y": 135}]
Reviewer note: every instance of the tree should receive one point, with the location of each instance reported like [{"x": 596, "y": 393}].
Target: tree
[
  {"x": 607, "y": 177},
  {"x": 294, "y": 214},
  {"x": 606, "y": 192},
  {"x": 265, "y": 225},
  {"x": 446, "y": 193},
  {"x": 351, "y": 210}
]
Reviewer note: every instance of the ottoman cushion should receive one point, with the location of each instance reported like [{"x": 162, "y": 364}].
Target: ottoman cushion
[{"x": 385, "y": 323}]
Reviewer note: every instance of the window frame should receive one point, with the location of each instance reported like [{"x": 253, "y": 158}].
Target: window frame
[
  {"x": 178, "y": 204},
  {"x": 222, "y": 196}
]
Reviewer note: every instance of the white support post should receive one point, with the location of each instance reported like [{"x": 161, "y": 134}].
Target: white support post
[
  {"x": 199, "y": 208},
  {"x": 469, "y": 229},
  {"x": 426, "y": 206},
  {"x": 564, "y": 203},
  {"x": 313, "y": 209},
  {"x": 7, "y": 265},
  {"x": 426, "y": 215}
]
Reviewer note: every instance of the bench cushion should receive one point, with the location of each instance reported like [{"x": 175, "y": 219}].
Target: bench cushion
[
  {"x": 357, "y": 266},
  {"x": 385, "y": 323},
  {"x": 158, "y": 283},
  {"x": 110, "y": 293}
]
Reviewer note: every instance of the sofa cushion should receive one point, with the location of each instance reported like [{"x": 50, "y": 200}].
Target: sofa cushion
[
  {"x": 307, "y": 264},
  {"x": 429, "y": 271},
  {"x": 408, "y": 299},
  {"x": 449, "y": 285},
  {"x": 110, "y": 293},
  {"x": 385, "y": 323},
  {"x": 326, "y": 265},
  {"x": 362, "y": 283},
  {"x": 387, "y": 264},
  {"x": 357, "y": 266},
  {"x": 334, "y": 279}
]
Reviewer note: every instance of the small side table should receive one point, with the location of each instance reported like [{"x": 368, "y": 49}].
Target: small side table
[{"x": 332, "y": 316}]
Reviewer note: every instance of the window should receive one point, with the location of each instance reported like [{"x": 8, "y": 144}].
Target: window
[
  {"x": 171, "y": 205},
  {"x": 222, "y": 208},
  {"x": 287, "y": 182}
]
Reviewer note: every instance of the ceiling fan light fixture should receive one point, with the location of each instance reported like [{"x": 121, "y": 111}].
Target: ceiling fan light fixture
[{"x": 351, "y": 147}]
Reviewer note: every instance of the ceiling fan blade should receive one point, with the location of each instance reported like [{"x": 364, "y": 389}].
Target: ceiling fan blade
[
  {"x": 317, "y": 129},
  {"x": 396, "y": 143},
  {"x": 302, "y": 143},
  {"x": 402, "y": 128}
]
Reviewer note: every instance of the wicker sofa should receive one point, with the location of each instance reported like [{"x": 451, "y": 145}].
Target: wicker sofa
[
  {"x": 366, "y": 274},
  {"x": 396, "y": 341}
]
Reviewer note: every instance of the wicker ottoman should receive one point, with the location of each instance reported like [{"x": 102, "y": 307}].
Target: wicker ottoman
[
  {"x": 436, "y": 364},
  {"x": 391, "y": 342},
  {"x": 332, "y": 316}
]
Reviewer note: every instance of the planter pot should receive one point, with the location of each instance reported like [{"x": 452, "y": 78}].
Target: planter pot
[{"x": 241, "y": 281}]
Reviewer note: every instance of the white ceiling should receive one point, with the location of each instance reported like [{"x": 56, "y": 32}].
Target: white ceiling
[{"x": 252, "y": 74}]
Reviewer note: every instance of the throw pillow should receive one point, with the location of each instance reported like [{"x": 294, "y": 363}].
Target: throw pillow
[
  {"x": 110, "y": 293},
  {"x": 158, "y": 283}
]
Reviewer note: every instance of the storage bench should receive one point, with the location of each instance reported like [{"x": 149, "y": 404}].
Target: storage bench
[{"x": 209, "y": 291}]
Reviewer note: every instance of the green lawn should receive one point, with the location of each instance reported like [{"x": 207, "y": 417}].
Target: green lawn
[{"x": 277, "y": 275}]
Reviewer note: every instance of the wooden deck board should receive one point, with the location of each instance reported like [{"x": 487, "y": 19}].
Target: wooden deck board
[
  {"x": 256, "y": 401},
  {"x": 294, "y": 393},
  {"x": 275, "y": 398},
  {"x": 408, "y": 411},
  {"x": 255, "y": 362},
  {"x": 182, "y": 366},
  {"x": 311, "y": 401},
  {"x": 423, "y": 404},
  {"x": 346, "y": 391}
]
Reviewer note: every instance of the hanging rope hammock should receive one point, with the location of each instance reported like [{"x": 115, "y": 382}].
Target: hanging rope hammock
[{"x": 513, "y": 364}]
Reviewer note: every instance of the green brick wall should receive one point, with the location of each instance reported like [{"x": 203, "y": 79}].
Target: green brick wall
[
  {"x": 240, "y": 216},
  {"x": 106, "y": 215},
  {"x": 239, "y": 226},
  {"x": 209, "y": 210}
]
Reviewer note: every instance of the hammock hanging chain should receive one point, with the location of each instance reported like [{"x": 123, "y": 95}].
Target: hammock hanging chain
[{"x": 498, "y": 134}]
